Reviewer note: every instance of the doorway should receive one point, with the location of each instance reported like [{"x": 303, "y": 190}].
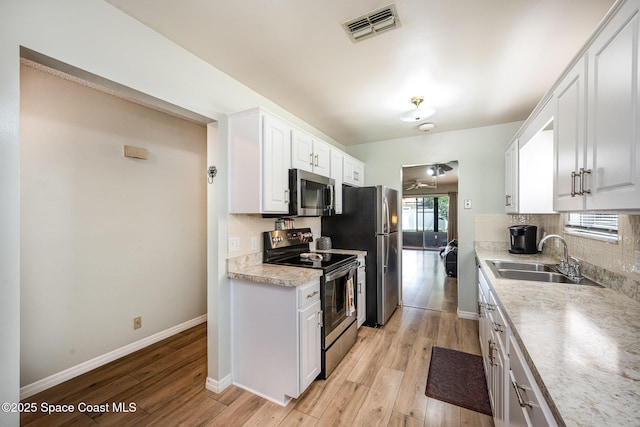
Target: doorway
[
  {"x": 429, "y": 223},
  {"x": 102, "y": 230}
]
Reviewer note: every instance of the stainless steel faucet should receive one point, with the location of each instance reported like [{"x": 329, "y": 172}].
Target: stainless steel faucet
[{"x": 569, "y": 266}]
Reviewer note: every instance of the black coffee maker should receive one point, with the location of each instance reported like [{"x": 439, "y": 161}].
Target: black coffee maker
[{"x": 523, "y": 239}]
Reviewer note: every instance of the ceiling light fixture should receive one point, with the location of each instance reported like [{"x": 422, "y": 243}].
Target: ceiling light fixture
[
  {"x": 419, "y": 113},
  {"x": 426, "y": 127}
]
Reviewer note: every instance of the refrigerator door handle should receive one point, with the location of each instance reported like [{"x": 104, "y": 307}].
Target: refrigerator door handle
[
  {"x": 386, "y": 219},
  {"x": 385, "y": 252}
]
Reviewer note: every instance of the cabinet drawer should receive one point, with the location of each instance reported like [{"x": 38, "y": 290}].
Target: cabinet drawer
[
  {"x": 498, "y": 322},
  {"x": 526, "y": 400},
  {"x": 308, "y": 293}
]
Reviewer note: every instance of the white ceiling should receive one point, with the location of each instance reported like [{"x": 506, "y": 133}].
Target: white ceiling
[{"x": 478, "y": 62}]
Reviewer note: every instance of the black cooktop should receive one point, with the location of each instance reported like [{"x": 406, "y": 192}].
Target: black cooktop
[
  {"x": 325, "y": 261},
  {"x": 291, "y": 247}
]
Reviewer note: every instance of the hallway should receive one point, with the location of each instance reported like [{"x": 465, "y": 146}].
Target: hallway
[{"x": 424, "y": 279}]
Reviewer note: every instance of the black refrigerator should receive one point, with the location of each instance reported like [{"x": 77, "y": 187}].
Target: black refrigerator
[{"x": 369, "y": 222}]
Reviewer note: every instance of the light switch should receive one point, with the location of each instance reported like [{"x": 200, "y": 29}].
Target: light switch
[
  {"x": 234, "y": 244},
  {"x": 467, "y": 203}
]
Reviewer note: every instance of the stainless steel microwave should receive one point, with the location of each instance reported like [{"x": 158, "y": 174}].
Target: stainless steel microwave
[{"x": 311, "y": 194}]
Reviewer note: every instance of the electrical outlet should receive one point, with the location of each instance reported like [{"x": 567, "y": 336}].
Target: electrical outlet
[
  {"x": 467, "y": 203},
  {"x": 234, "y": 244},
  {"x": 137, "y": 322},
  {"x": 254, "y": 243}
]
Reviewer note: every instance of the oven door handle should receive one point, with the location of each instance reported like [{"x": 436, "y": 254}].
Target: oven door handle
[{"x": 342, "y": 272}]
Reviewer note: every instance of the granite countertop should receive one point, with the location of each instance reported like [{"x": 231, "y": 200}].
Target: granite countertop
[
  {"x": 582, "y": 344},
  {"x": 280, "y": 275},
  {"x": 251, "y": 268}
]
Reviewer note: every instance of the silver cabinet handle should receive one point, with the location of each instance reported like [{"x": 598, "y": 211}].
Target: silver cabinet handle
[
  {"x": 320, "y": 317},
  {"x": 573, "y": 184},
  {"x": 521, "y": 401},
  {"x": 492, "y": 348},
  {"x": 584, "y": 172},
  {"x": 491, "y": 307},
  {"x": 313, "y": 294},
  {"x": 286, "y": 196},
  {"x": 317, "y": 162},
  {"x": 310, "y": 159},
  {"x": 497, "y": 327}
]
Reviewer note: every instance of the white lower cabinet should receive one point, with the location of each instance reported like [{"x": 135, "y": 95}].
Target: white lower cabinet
[
  {"x": 516, "y": 399},
  {"x": 527, "y": 406},
  {"x": 494, "y": 351},
  {"x": 276, "y": 338}
]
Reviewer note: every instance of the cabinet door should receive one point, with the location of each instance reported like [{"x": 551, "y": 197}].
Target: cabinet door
[
  {"x": 511, "y": 178},
  {"x": 302, "y": 150},
  {"x": 348, "y": 170},
  {"x": 321, "y": 158},
  {"x": 276, "y": 164},
  {"x": 358, "y": 173},
  {"x": 613, "y": 148},
  {"x": 336, "y": 174},
  {"x": 310, "y": 320},
  {"x": 569, "y": 128}
]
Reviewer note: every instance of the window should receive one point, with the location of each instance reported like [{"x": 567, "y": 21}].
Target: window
[
  {"x": 425, "y": 214},
  {"x": 595, "y": 225}
]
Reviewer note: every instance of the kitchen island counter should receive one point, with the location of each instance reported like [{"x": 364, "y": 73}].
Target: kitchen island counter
[{"x": 581, "y": 343}]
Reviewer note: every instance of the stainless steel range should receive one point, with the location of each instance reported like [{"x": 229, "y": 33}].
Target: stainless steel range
[{"x": 337, "y": 286}]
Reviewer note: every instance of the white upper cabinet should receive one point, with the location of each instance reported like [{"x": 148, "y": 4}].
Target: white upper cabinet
[
  {"x": 535, "y": 163},
  {"x": 597, "y": 144},
  {"x": 277, "y": 151},
  {"x": 336, "y": 174},
  {"x": 309, "y": 153},
  {"x": 353, "y": 171},
  {"x": 259, "y": 162},
  {"x": 612, "y": 171},
  {"x": 511, "y": 178},
  {"x": 262, "y": 149},
  {"x": 569, "y": 137}
]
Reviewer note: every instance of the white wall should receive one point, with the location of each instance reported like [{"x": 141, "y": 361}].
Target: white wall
[
  {"x": 480, "y": 153},
  {"x": 104, "y": 238},
  {"x": 96, "y": 37}
]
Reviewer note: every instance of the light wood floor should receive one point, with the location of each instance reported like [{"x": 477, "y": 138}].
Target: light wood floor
[{"x": 381, "y": 381}]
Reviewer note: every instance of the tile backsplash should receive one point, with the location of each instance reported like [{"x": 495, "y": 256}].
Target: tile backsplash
[
  {"x": 611, "y": 263},
  {"x": 246, "y": 227}
]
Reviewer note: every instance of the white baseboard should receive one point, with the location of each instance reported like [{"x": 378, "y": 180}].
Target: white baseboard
[
  {"x": 218, "y": 386},
  {"x": 471, "y": 315},
  {"x": 283, "y": 403},
  {"x": 74, "y": 371}
]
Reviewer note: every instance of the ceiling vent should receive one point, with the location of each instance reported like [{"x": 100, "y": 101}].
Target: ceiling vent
[{"x": 373, "y": 23}]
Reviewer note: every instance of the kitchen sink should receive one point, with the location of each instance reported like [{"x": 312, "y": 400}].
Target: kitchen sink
[
  {"x": 533, "y": 271},
  {"x": 527, "y": 266}
]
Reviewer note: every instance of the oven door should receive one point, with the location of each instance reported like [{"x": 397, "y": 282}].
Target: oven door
[{"x": 335, "y": 299}]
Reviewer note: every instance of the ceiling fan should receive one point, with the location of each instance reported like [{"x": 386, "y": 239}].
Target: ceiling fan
[
  {"x": 438, "y": 169},
  {"x": 419, "y": 184}
]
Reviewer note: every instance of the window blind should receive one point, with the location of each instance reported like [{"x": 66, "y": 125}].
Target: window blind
[{"x": 598, "y": 225}]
